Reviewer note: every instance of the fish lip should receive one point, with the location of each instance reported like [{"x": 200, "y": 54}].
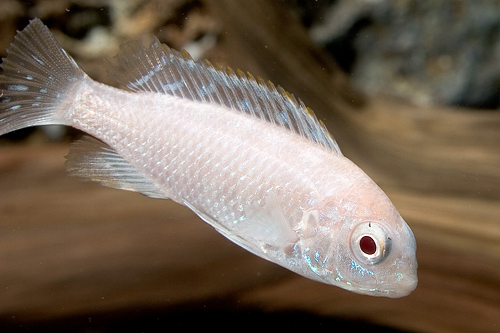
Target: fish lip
[
  {"x": 399, "y": 290},
  {"x": 396, "y": 292},
  {"x": 403, "y": 292}
]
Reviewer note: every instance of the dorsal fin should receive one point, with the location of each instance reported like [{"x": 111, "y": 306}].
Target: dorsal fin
[{"x": 164, "y": 70}]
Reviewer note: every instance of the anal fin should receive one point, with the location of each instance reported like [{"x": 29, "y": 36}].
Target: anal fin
[{"x": 92, "y": 159}]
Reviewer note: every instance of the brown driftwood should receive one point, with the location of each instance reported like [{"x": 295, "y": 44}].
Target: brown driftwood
[{"x": 70, "y": 248}]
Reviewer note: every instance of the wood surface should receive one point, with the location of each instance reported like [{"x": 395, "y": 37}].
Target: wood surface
[{"x": 71, "y": 249}]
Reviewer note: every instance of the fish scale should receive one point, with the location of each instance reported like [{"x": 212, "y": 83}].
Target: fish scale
[
  {"x": 246, "y": 156},
  {"x": 245, "y": 159}
]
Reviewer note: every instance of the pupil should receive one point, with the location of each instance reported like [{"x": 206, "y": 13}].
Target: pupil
[{"x": 367, "y": 245}]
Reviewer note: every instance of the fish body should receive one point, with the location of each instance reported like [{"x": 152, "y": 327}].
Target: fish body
[{"x": 247, "y": 157}]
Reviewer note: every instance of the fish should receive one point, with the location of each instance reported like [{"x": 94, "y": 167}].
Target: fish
[{"x": 245, "y": 155}]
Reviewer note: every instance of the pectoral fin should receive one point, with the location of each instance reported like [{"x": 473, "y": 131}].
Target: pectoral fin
[
  {"x": 244, "y": 243},
  {"x": 267, "y": 224}
]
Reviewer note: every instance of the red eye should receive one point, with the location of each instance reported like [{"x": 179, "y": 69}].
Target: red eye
[{"x": 367, "y": 245}]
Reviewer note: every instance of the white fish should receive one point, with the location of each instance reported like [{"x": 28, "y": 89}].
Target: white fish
[{"x": 247, "y": 157}]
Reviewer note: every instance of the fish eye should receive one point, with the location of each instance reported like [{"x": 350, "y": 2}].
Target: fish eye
[
  {"x": 367, "y": 245},
  {"x": 370, "y": 243}
]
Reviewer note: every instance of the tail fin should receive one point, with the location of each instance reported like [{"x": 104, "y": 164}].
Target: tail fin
[{"x": 37, "y": 76}]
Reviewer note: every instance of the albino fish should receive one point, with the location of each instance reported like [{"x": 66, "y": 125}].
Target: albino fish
[{"x": 244, "y": 155}]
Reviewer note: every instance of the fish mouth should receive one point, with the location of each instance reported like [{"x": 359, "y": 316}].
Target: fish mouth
[
  {"x": 395, "y": 285},
  {"x": 393, "y": 290},
  {"x": 393, "y": 293},
  {"x": 402, "y": 288}
]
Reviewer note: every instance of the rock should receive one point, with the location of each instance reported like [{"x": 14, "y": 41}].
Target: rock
[{"x": 431, "y": 52}]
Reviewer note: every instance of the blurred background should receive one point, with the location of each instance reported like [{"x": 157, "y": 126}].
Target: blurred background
[{"x": 410, "y": 90}]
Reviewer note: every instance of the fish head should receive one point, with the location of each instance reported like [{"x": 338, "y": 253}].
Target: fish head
[
  {"x": 362, "y": 244},
  {"x": 373, "y": 257}
]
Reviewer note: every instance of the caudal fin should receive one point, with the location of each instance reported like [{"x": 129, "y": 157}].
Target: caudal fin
[{"x": 38, "y": 75}]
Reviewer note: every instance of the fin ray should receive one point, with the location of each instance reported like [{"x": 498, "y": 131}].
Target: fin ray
[
  {"x": 225, "y": 231},
  {"x": 268, "y": 224},
  {"x": 92, "y": 159},
  {"x": 38, "y": 74},
  {"x": 163, "y": 70}
]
